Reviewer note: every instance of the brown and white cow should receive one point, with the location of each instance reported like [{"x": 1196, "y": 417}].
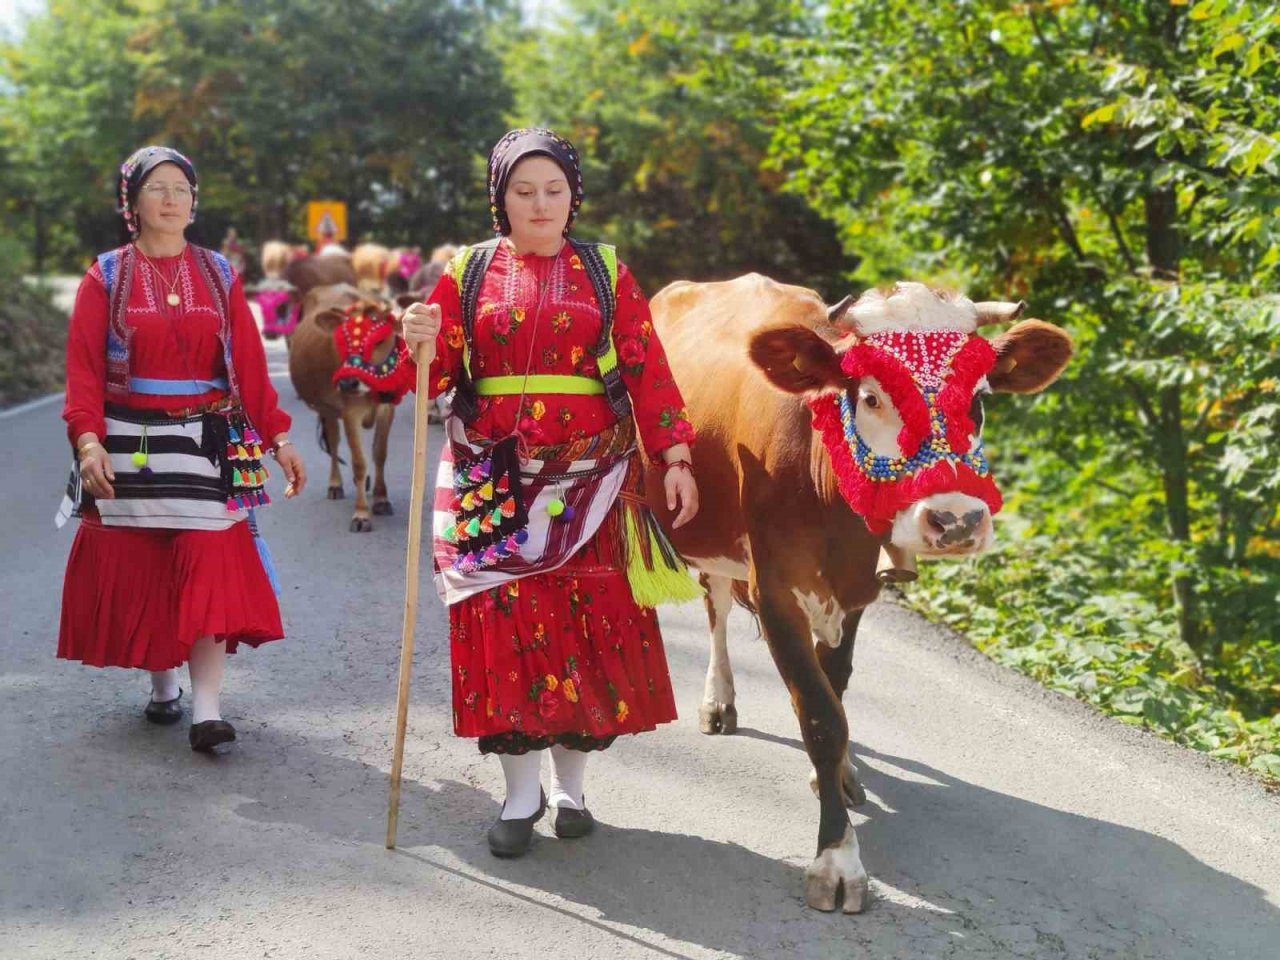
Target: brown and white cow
[
  {"x": 831, "y": 442},
  {"x": 358, "y": 383}
]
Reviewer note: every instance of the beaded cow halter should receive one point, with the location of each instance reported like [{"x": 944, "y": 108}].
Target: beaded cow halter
[
  {"x": 357, "y": 337},
  {"x": 930, "y": 375}
]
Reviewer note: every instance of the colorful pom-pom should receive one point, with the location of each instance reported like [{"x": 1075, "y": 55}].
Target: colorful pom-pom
[
  {"x": 521, "y": 535},
  {"x": 555, "y": 507},
  {"x": 473, "y": 528},
  {"x": 139, "y": 459},
  {"x": 568, "y": 513},
  {"x": 508, "y": 508},
  {"x": 486, "y": 492}
]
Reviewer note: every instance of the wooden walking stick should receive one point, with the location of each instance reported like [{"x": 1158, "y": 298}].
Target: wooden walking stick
[{"x": 419, "y": 490}]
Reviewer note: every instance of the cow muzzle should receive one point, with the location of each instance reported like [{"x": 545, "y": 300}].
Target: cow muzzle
[
  {"x": 351, "y": 385},
  {"x": 944, "y": 525}
]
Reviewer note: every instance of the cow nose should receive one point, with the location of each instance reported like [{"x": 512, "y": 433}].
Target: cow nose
[
  {"x": 948, "y": 529},
  {"x": 348, "y": 385}
]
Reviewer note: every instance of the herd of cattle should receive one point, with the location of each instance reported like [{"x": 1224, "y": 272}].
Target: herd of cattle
[{"x": 836, "y": 445}]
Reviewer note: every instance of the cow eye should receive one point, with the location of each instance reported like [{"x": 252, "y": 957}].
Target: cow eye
[
  {"x": 976, "y": 412},
  {"x": 871, "y": 400}
]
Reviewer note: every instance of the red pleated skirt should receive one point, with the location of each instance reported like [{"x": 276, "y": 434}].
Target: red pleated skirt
[
  {"x": 567, "y": 652},
  {"x": 141, "y": 598}
]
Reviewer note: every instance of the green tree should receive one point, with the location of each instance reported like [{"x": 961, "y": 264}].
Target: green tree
[
  {"x": 672, "y": 105},
  {"x": 382, "y": 103}
]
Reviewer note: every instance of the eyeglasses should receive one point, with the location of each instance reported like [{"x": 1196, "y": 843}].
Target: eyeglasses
[{"x": 179, "y": 191}]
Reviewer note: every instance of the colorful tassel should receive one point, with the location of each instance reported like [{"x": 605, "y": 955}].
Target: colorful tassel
[{"x": 654, "y": 570}]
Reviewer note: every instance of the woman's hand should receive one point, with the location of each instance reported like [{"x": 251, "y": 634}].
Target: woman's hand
[
  {"x": 682, "y": 492},
  {"x": 96, "y": 474},
  {"x": 421, "y": 324},
  {"x": 294, "y": 470}
]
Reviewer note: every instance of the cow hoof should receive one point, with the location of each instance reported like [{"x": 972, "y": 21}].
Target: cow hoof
[
  {"x": 854, "y": 795},
  {"x": 361, "y": 524},
  {"x": 837, "y": 878},
  {"x": 335, "y": 493},
  {"x": 716, "y": 718},
  {"x": 383, "y": 508}
]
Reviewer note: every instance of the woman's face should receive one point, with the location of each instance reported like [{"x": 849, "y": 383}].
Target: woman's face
[
  {"x": 164, "y": 201},
  {"x": 538, "y": 200}
]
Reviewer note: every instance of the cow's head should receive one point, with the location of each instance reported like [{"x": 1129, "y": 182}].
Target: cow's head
[
  {"x": 373, "y": 357},
  {"x": 898, "y": 403}
]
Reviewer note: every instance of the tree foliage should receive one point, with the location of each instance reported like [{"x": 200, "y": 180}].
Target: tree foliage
[
  {"x": 382, "y": 103},
  {"x": 672, "y": 103}
]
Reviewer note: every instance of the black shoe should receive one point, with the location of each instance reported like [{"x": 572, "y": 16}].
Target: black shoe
[
  {"x": 164, "y": 712},
  {"x": 511, "y": 838},
  {"x": 208, "y": 734},
  {"x": 569, "y": 824}
]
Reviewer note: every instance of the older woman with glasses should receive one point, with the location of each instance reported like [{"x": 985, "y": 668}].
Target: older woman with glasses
[{"x": 169, "y": 409}]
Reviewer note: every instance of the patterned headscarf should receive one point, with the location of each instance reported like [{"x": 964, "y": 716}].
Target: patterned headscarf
[
  {"x": 134, "y": 171},
  {"x": 514, "y": 147}
]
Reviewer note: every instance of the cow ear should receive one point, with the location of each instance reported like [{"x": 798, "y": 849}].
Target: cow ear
[
  {"x": 330, "y": 319},
  {"x": 795, "y": 359},
  {"x": 1029, "y": 357}
]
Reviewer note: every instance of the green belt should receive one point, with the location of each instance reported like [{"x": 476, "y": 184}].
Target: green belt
[{"x": 538, "y": 383}]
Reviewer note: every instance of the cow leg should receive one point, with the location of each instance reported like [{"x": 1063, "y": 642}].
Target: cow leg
[
  {"x": 386, "y": 413},
  {"x": 329, "y": 424},
  {"x": 836, "y": 660},
  {"x": 352, "y": 416},
  {"x": 717, "y": 714},
  {"x": 836, "y": 875}
]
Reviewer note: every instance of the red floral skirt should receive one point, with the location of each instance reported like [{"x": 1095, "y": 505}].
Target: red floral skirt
[
  {"x": 140, "y": 598},
  {"x": 566, "y": 656}
]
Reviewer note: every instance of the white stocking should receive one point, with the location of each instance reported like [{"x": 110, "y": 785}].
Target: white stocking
[
  {"x": 208, "y": 657},
  {"x": 568, "y": 768},
  {"x": 524, "y": 784},
  {"x": 164, "y": 685}
]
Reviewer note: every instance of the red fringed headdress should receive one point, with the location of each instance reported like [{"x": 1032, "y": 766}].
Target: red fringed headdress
[
  {"x": 930, "y": 376},
  {"x": 357, "y": 337}
]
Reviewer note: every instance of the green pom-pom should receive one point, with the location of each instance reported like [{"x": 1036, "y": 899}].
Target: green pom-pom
[
  {"x": 139, "y": 459},
  {"x": 555, "y": 507},
  {"x": 473, "y": 527},
  {"x": 237, "y": 479},
  {"x": 451, "y": 534},
  {"x": 497, "y": 516}
]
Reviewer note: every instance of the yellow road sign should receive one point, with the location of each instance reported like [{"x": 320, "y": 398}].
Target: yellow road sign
[{"x": 326, "y": 220}]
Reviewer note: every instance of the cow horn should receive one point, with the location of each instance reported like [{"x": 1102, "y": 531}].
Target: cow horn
[
  {"x": 998, "y": 311},
  {"x": 836, "y": 311}
]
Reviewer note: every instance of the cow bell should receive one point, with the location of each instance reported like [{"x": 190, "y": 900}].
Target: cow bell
[{"x": 896, "y": 565}]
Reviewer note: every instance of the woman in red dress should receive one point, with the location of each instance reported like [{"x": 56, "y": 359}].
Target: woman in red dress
[
  {"x": 161, "y": 331},
  {"x": 551, "y": 650}
]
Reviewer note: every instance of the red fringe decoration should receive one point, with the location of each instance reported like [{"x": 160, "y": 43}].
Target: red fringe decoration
[
  {"x": 974, "y": 360},
  {"x": 879, "y": 503},
  {"x": 866, "y": 361}
]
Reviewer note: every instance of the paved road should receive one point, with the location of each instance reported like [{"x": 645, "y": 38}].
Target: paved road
[{"x": 1003, "y": 821}]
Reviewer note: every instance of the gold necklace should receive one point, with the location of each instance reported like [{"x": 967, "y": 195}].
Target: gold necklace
[{"x": 173, "y": 299}]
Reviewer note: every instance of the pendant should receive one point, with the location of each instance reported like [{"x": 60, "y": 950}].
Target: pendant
[{"x": 173, "y": 299}]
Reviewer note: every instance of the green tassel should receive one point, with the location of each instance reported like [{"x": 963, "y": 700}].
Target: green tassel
[
  {"x": 236, "y": 479},
  {"x": 661, "y": 584}
]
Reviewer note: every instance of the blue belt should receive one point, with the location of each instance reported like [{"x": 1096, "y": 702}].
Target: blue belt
[{"x": 175, "y": 388}]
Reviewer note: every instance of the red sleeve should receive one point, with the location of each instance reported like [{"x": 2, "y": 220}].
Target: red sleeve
[
  {"x": 256, "y": 392},
  {"x": 87, "y": 359},
  {"x": 659, "y": 410},
  {"x": 448, "y": 362}
]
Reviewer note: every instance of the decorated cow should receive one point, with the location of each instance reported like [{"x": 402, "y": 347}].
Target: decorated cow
[{"x": 835, "y": 447}]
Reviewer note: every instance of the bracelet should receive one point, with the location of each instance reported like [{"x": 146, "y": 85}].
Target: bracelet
[
  {"x": 286, "y": 442},
  {"x": 87, "y": 446},
  {"x": 678, "y": 463}
]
